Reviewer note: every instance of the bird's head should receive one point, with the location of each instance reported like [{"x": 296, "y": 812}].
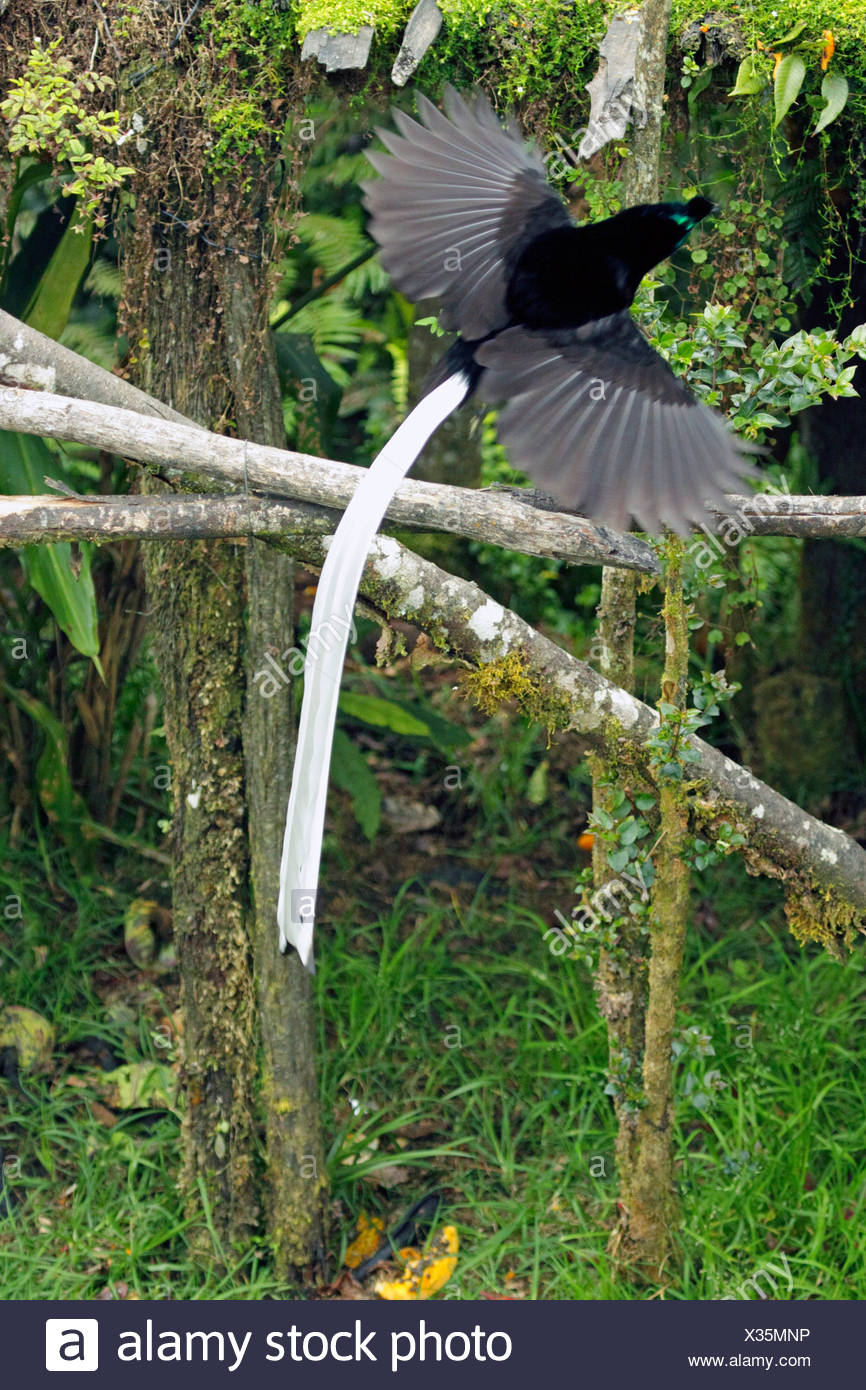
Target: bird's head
[
  {"x": 644, "y": 236},
  {"x": 686, "y": 216}
]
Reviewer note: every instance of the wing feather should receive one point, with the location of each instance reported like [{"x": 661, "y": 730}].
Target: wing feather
[
  {"x": 637, "y": 446},
  {"x": 460, "y": 196}
]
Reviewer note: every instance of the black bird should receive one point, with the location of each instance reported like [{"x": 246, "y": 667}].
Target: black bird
[{"x": 592, "y": 413}]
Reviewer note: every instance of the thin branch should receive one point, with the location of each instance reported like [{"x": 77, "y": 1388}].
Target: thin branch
[
  {"x": 779, "y": 514},
  {"x": 327, "y": 284},
  {"x": 31, "y": 358},
  {"x": 184, "y": 449},
  {"x": 783, "y": 841}
]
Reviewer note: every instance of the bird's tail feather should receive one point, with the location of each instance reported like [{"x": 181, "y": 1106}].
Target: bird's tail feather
[{"x": 326, "y": 648}]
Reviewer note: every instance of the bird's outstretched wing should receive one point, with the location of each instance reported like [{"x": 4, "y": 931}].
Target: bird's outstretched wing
[
  {"x": 597, "y": 418},
  {"x": 458, "y": 200}
]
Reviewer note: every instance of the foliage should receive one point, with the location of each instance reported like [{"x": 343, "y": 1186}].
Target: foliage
[
  {"x": 48, "y": 114},
  {"x": 789, "y": 58},
  {"x": 348, "y": 16},
  {"x": 518, "y": 1130}
]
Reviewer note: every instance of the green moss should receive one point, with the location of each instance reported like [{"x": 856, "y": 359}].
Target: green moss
[
  {"x": 257, "y": 34},
  {"x": 348, "y": 16},
  {"x": 821, "y": 915},
  {"x": 238, "y": 128},
  {"x": 769, "y": 21},
  {"x": 542, "y": 52},
  {"x": 512, "y": 678}
]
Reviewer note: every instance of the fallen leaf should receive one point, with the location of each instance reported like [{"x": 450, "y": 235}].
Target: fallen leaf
[
  {"x": 102, "y": 1114},
  {"x": 425, "y": 1272},
  {"x": 389, "y": 1175},
  {"x": 370, "y": 1232},
  {"x": 30, "y": 1034},
  {"x": 406, "y": 816},
  {"x": 139, "y": 1085}
]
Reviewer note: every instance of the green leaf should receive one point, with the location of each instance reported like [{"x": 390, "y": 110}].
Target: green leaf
[
  {"x": 792, "y": 34},
  {"x": 834, "y": 90},
  {"x": 384, "y": 714},
  {"x": 700, "y": 84},
  {"x": 24, "y": 461},
  {"x": 536, "y": 790},
  {"x": 786, "y": 87},
  {"x": 351, "y": 774},
  {"x": 60, "y": 800},
  {"x": 49, "y": 309},
  {"x": 34, "y": 173},
  {"x": 751, "y": 77}
]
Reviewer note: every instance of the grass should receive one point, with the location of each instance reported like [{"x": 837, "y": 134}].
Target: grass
[{"x": 454, "y": 1014}]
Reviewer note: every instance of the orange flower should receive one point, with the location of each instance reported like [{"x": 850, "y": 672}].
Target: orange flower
[
  {"x": 778, "y": 58},
  {"x": 829, "y": 49},
  {"x": 585, "y": 840}
]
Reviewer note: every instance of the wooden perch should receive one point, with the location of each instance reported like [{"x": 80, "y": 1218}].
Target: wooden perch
[
  {"x": 814, "y": 860},
  {"x": 184, "y": 449},
  {"x": 779, "y": 514},
  {"x": 819, "y": 864}
]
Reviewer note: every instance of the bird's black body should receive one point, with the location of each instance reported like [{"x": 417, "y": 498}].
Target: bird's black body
[{"x": 592, "y": 412}]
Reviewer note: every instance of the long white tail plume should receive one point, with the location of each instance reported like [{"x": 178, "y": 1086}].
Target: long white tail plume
[{"x": 326, "y": 649}]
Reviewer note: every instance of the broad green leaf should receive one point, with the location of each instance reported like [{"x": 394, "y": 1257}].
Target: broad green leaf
[
  {"x": 61, "y": 802},
  {"x": 69, "y": 595},
  {"x": 351, "y": 774},
  {"x": 24, "y": 461},
  {"x": 834, "y": 90},
  {"x": 34, "y": 173},
  {"x": 700, "y": 84},
  {"x": 30, "y": 1034},
  {"x": 751, "y": 77},
  {"x": 384, "y": 714},
  {"x": 536, "y": 790},
  {"x": 786, "y": 86},
  {"x": 49, "y": 309},
  {"x": 792, "y": 34}
]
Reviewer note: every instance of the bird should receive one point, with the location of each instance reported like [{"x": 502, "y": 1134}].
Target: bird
[{"x": 463, "y": 212}]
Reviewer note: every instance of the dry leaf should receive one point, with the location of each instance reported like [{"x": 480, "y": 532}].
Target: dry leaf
[
  {"x": 30, "y": 1034},
  {"x": 102, "y": 1114},
  {"x": 389, "y": 1175},
  {"x": 425, "y": 1271},
  {"x": 370, "y": 1232}
]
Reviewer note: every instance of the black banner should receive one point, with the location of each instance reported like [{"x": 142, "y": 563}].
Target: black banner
[{"x": 496, "y": 1344}]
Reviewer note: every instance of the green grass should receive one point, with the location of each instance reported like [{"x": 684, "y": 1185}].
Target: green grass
[{"x": 460, "y": 1017}]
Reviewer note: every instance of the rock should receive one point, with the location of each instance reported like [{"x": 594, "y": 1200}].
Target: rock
[
  {"x": 337, "y": 52},
  {"x": 611, "y": 91},
  {"x": 715, "y": 38},
  {"x": 424, "y": 24}
]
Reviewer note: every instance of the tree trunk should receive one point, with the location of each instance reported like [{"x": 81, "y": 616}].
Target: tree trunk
[
  {"x": 196, "y": 292},
  {"x": 197, "y": 600},
  {"x": 295, "y": 1159},
  {"x": 648, "y": 1196},
  {"x": 624, "y": 984}
]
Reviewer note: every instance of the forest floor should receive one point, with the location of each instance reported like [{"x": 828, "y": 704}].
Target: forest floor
[{"x": 458, "y": 1055}]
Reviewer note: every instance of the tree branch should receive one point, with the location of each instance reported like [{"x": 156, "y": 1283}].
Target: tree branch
[
  {"x": 779, "y": 514},
  {"x": 184, "y": 449},
  {"x": 818, "y": 864},
  {"x": 30, "y": 358}
]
